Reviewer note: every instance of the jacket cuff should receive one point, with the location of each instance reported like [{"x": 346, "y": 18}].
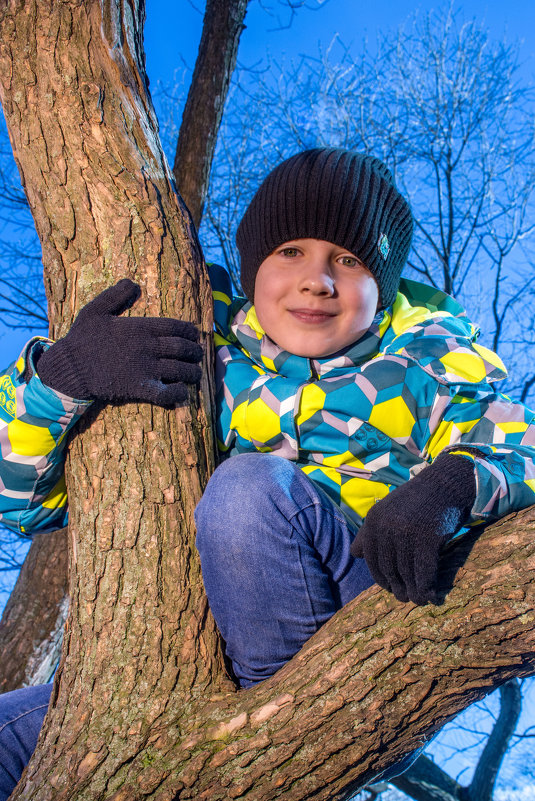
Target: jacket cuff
[{"x": 57, "y": 370}]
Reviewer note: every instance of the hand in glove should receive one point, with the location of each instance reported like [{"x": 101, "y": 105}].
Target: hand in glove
[
  {"x": 403, "y": 533},
  {"x": 110, "y": 358}
]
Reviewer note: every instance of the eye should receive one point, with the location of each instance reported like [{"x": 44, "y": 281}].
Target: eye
[
  {"x": 289, "y": 253},
  {"x": 348, "y": 261}
]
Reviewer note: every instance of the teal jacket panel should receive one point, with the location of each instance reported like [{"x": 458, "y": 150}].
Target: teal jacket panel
[{"x": 365, "y": 420}]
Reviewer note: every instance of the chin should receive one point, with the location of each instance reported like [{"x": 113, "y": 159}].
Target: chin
[{"x": 310, "y": 353}]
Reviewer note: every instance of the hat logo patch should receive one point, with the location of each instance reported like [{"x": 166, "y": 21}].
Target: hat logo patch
[{"x": 383, "y": 246}]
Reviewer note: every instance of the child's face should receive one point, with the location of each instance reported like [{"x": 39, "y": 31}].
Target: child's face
[{"x": 314, "y": 298}]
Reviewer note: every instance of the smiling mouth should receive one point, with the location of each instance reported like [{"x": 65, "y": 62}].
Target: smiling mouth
[{"x": 313, "y": 316}]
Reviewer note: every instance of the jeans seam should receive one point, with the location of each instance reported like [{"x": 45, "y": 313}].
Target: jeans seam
[
  {"x": 22, "y": 715},
  {"x": 339, "y": 517},
  {"x": 304, "y": 578}
]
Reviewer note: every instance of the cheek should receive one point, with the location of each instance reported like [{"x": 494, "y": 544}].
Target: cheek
[
  {"x": 262, "y": 311},
  {"x": 262, "y": 282},
  {"x": 270, "y": 289},
  {"x": 367, "y": 298},
  {"x": 265, "y": 303}
]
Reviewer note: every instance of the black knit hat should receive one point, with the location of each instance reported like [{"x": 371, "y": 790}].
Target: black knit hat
[{"x": 347, "y": 198}]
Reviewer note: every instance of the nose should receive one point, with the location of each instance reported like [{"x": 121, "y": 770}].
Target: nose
[{"x": 317, "y": 278}]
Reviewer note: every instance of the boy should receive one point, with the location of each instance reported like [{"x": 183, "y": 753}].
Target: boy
[{"x": 379, "y": 403}]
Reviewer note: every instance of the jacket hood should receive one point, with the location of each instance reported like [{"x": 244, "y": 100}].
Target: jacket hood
[{"x": 423, "y": 325}]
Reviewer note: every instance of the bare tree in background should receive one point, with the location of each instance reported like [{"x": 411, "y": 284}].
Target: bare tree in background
[{"x": 446, "y": 108}]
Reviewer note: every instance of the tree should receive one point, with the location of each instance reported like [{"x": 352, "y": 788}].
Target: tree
[
  {"x": 142, "y": 706},
  {"x": 22, "y": 301},
  {"x": 26, "y": 635}
]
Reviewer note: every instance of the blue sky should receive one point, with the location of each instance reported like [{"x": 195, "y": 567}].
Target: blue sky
[{"x": 354, "y": 20}]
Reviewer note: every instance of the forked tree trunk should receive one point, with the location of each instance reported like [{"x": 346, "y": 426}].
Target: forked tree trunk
[
  {"x": 141, "y": 706},
  {"x": 31, "y": 631}
]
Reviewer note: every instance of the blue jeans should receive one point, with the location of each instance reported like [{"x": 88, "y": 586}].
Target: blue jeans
[
  {"x": 21, "y": 717},
  {"x": 275, "y": 560},
  {"x": 276, "y": 566}
]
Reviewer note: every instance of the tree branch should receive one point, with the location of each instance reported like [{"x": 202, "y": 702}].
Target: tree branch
[
  {"x": 482, "y": 785},
  {"x": 218, "y": 49},
  {"x": 425, "y": 781}
]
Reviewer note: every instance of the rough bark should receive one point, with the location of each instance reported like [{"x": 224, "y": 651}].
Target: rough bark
[
  {"x": 142, "y": 707},
  {"x": 222, "y": 27},
  {"x": 223, "y": 23},
  {"x": 32, "y": 623},
  {"x": 370, "y": 686}
]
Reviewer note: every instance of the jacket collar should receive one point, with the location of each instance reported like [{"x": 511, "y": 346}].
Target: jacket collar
[
  {"x": 417, "y": 308},
  {"x": 268, "y": 355}
]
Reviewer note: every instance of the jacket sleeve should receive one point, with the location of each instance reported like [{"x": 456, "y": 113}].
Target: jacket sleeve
[
  {"x": 498, "y": 435},
  {"x": 226, "y": 351},
  {"x": 34, "y": 422}
]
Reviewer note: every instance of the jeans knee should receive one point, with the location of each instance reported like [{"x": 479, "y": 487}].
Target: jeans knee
[{"x": 239, "y": 494}]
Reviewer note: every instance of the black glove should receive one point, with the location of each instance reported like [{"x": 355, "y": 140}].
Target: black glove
[
  {"x": 110, "y": 358},
  {"x": 403, "y": 533}
]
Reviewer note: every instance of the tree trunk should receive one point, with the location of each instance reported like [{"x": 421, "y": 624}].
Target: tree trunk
[
  {"x": 222, "y": 27},
  {"x": 32, "y": 623},
  {"x": 142, "y": 707},
  {"x": 39, "y": 629}
]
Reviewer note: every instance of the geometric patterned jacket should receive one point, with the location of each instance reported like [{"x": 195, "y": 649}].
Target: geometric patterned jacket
[
  {"x": 34, "y": 421},
  {"x": 358, "y": 423},
  {"x": 364, "y": 421}
]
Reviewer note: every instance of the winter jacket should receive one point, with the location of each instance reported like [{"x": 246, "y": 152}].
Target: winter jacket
[
  {"x": 363, "y": 421},
  {"x": 359, "y": 423}
]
